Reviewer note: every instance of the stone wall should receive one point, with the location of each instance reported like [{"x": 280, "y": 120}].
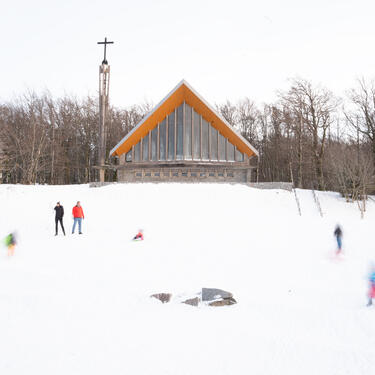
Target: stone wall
[{"x": 186, "y": 174}]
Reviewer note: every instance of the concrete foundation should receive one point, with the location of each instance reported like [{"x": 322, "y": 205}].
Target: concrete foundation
[{"x": 186, "y": 173}]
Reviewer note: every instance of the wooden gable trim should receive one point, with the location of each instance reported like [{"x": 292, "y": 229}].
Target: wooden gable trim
[{"x": 176, "y": 98}]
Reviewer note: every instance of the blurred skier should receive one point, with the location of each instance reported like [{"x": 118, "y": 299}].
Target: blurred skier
[
  {"x": 59, "y": 217},
  {"x": 10, "y": 242},
  {"x": 139, "y": 236},
  {"x": 371, "y": 292},
  {"x": 78, "y": 216},
  {"x": 338, "y": 235}
]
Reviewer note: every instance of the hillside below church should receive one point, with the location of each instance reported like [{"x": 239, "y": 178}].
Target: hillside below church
[{"x": 80, "y": 304}]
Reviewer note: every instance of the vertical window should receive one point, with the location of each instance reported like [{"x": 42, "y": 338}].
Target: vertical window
[
  {"x": 205, "y": 153},
  {"x": 154, "y": 142},
  {"x": 180, "y": 132},
  {"x": 230, "y": 151},
  {"x": 171, "y": 136},
  {"x": 238, "y": 155},
  {"x": 197, "y": 136},
  {"x": 222, "y": 155},
  {"x": 145, "y": 148},
  {"x": 128, "y": 156},
  {"x": 187, "y": 136},
  {"x": 162, "y": 140},
  {"x": 213, "y": 143},
  {"x": 137, "y": 152}
]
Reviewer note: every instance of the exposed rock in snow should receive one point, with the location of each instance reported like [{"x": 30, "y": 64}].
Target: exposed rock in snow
[
  {"x": 192, "y": 301},
  {"x": 223, "y": 302},
  {"x": 208, "y": 296},
  {"x": 211, "y": 294},
  {"x": 163, "y": 297}
]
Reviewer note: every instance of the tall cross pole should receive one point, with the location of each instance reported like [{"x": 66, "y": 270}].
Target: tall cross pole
[
  {"x": 105, "y": 50},
  {"x": 104, "y": 72}
]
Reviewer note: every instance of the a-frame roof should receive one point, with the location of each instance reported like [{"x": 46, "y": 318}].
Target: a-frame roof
[{"x": 183, "y": 92}]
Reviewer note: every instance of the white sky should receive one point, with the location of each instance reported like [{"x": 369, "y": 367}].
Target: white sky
[{"x": 224, "y": 49}]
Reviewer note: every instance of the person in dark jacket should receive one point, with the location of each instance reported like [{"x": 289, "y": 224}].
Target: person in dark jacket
[
  {"x": 338, "y": 235},
  {"x": 59, "y": 209}
]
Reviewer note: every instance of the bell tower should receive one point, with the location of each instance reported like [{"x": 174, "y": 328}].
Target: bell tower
[{"x": 104, "y": 74}]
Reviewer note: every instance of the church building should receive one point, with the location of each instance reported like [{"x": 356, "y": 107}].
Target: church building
[{"x": 183, "y": 139}]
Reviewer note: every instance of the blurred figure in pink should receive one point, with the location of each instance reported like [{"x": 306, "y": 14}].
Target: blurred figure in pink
[
  {"x": 139, "y": 236},
  {"x": 371, "y": 292}
]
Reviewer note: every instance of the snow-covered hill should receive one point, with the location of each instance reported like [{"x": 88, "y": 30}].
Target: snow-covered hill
[{"x": 80, "y": 304}]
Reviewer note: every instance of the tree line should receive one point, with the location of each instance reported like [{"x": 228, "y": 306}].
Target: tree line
[
  {"x": 55, "y": 141},
  {"x": 308, "y": 136}
]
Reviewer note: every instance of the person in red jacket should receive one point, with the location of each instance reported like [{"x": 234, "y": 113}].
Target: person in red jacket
[
  {"x": 78, "y": 216},
  {"x": 139, "y": 236}
]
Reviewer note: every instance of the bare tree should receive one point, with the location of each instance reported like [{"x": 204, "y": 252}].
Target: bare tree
[
  {"x": 55, "y": 141},
  {"x": 229, "y": 111},
  {"x": 24, "y": 136},
  {"x": 352, "y": 172},
  {"x": 362, "y": 117},
  {"x": 314, "y": 107},
  {"x": 248, "y": 120}
]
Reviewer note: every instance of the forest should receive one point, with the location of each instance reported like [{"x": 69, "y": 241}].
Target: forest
[{"x": 308, "y": 136}]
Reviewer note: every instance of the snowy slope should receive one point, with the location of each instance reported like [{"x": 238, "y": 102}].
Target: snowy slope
[{"x": 80, "y": 304}]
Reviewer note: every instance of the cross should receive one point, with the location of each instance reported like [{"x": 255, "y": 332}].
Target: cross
[{"x": 105, "y": 50}]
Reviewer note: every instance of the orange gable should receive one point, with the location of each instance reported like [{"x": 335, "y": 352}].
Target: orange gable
[{"x": 183, "y": 93}]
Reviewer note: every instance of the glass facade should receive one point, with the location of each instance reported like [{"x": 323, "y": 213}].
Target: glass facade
[
  {"x": 128, "y": 156},
  {"x": 205, "y": 145},
  {"x": 162, "y": 141},
  {"x": 188, "y": 130},
  {"x": 222, "y": 151},
  {"x": 154, "y": 144},
  {"x": 196, "y": 136},
  {"x": 230, "y": 152},
  {"x": 137, "y": 152},
  {"x": 238, "y": 155},
  {"x": 180, "y": 133},
  {"x": 213, "y": 144},
  {"x": 184, "y": 135},
  {"x": 171, "y": 134},
  {"x": 145, "y": 148}
]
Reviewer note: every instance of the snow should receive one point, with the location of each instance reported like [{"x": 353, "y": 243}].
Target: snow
[{"x": 80, "y": 304}]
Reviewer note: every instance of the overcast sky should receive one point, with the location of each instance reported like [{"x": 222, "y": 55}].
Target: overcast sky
[{"x": 224, "y": 49}]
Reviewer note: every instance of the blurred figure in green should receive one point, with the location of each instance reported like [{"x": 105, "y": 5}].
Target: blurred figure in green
[{"x": 10, "y": 242}]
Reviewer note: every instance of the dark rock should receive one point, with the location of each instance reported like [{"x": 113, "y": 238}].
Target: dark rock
[
  {"x": 192, "y": 301},
  {"x": 211, "y": 294},
  {"x": 223, "y": 302},
  {"x": 163, "y": 297}
]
